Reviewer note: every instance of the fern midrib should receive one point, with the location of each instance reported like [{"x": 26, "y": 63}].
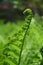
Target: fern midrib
[{"x": 23, "y": 42}]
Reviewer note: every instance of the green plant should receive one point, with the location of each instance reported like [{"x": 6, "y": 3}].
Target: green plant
[
  {"x": 23, "y": 46},
  {"x": 13, "y": 50}
]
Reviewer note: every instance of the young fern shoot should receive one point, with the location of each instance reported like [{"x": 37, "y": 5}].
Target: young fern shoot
[
  {"x": 13, "y": 50},
  {"x": 28, "y": 18}
]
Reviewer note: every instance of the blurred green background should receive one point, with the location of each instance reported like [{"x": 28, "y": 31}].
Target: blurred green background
[
  {"x": 12, "y": 17},
  {"x": 13, "y": 9}
]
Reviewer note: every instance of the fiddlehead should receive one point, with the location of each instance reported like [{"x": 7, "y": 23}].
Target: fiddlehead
[
  {"x": 28, "y": 18},
  {"x": 13, "y": 49},
  {"x": 28, "y": 13}
]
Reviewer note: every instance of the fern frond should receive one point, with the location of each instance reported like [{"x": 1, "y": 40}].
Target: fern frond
[{"x": 13, "y": 50}]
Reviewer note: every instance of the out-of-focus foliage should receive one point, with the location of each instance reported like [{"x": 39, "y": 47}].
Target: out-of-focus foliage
[
  {"x": 39, "y": 3},
  {"x": 22, "y": 4}
]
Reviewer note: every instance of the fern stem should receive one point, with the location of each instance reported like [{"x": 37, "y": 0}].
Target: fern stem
[
  {"x": 23, "y": 41},
  {"x": 28, "y": 19}
]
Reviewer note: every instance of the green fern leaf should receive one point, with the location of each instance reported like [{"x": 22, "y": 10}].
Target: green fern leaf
[{"x": 13, "y": 50}]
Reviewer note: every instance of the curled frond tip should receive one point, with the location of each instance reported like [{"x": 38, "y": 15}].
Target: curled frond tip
[{"x": 29, "y": 11}]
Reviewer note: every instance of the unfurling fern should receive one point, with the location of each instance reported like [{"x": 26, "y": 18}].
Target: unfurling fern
[{"x": 13, "y": 50}]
